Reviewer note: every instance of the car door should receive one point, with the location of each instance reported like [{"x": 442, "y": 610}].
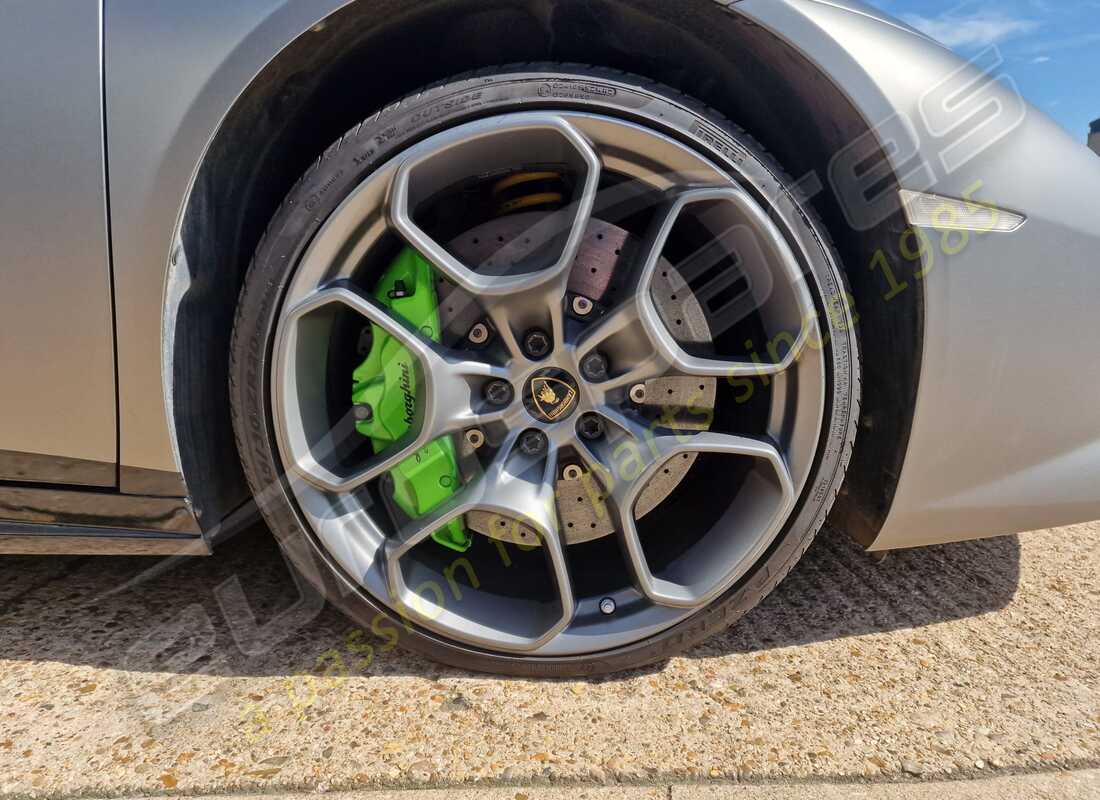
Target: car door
[{"x": 58, "y": 421}]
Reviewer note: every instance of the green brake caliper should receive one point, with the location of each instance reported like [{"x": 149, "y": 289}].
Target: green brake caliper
[{"x": 387, "y": 384}]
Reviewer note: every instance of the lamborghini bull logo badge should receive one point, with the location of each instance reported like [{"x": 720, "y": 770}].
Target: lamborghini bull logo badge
[
  {"x": 547, "y": 395},
  {"x": 553, "y": 397}
]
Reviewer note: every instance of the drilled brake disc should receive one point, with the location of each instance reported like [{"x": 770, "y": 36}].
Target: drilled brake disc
[{"x": 683, "y": 403}]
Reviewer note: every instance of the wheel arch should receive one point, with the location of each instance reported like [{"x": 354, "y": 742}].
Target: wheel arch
[{"x": 364, "y": 55}]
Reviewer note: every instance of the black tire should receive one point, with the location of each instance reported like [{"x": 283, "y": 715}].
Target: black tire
[{"x": 346, "y": 163}]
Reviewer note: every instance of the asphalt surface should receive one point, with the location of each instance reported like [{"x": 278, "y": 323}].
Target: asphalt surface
[{"x": 957, "y": 662}]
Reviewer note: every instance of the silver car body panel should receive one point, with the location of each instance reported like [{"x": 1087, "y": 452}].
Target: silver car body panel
[
  {"x": 165, "y": 101},
  {"x": 57, "y": 410},
  {"x": 1006, "y": 432}
]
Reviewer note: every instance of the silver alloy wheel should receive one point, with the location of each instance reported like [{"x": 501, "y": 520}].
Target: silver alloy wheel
[{"x": 333, "y": 496}]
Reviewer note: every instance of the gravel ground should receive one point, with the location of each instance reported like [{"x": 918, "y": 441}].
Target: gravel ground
[
  {"x": 1080, "y": 785},
  {"x": 955, "y": 661}
]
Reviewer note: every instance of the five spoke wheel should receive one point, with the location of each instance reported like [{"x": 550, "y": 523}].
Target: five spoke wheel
[{"x": 639, "y": 355}]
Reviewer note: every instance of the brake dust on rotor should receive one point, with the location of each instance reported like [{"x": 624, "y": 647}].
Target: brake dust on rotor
[{"x": 384, "y": 396}]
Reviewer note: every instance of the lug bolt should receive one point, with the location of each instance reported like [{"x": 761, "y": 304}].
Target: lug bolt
[
  {"x": 582, "y": 306},
  {"x": 533, "y": 443},
  {"x": 362, "y": 412},
  {"x": 499, "y": 392},
  {"x": 594, "y": 366},
  {"x": 475, "y": 438},
  {"x": 637, "y": 393},
  {"x": 479, "y": 334},
  {"x": 536, "y": 343},
  {"x": 607, "y": 606},
  {"x": 572, "y": 472},
  {"x": 590, "y": 426}
]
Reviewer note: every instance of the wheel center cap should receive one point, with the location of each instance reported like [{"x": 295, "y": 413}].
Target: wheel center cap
[{"x": 550, "y": 395}]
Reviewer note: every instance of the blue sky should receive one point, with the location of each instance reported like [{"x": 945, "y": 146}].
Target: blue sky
[{"x": 1052, "y": 47}]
